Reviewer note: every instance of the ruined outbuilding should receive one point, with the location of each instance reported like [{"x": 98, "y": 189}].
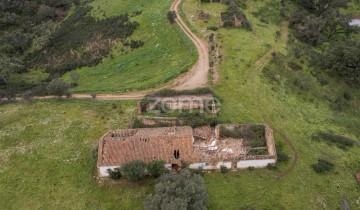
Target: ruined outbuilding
[{"x": 204, "y": 147}]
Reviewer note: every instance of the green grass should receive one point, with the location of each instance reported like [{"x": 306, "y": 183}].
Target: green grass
[
  {"x": 166, "y": 54},
  {"x": 46, "y": 157},
  {"x": 248, "y": 97}
]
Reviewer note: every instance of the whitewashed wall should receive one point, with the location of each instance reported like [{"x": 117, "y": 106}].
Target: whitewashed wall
[
  {"x": 210, "y": 167},
  {"x": 254, "y": 163}
]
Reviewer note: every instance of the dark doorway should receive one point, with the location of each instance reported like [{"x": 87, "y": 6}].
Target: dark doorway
[
  {"x": 175, "y": 167},
  {"x": 176, "y": 154}
]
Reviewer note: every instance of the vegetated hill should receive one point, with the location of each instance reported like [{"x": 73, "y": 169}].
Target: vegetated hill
[
  {"x": 97, "y": 40},
  {"x": 79, "y": 40},
  {"x": 26, "y": 25}
]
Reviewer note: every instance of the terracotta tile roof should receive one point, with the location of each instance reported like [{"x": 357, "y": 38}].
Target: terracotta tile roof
[{"x": 147, "y": 144}]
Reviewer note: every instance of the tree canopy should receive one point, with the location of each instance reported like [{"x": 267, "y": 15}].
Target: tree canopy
[
  {"x": 342, "y": 58},
  {"x": 184, "y": 191}
]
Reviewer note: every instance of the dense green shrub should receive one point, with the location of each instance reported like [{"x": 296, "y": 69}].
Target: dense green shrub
[
  {"x": 213, "y": 28},
  {"x": 28, "y": 95},
  {"x": 199, "y": 171},
  {"x": 57, "y": 87},
  {"x": 271, "y": 167},
  {"x": 171, "y": 16},
  {"x": 134, "y": 171},
  {"x": 282, "y": 157},
  {"x": 115, "y": 174},
  {"x": 347, "y": 96},
  {"x": 333, "y": 139},
  {"x": 134, "y": 43},
  {"x": 178, "y": 191},
  {"x": 156, "y": 168},
  {"x": 323, "y": 166},
  {"x": 224, "y": 169}
]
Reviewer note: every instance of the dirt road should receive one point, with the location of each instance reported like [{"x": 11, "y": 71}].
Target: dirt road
[
  {"x": 198, "y": 75},
  {"x": 195, "y": 78}
]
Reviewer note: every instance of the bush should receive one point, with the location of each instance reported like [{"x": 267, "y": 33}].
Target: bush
[
  {"x": 323, "y": 166},
  {"x": 115, "y": 174},
  {"x": 178, "y": 191},
  {"x": 58, "y": 88},
  {"x": 171, "y": 16},
  {"x": 134, "y": 44},
  {"x": 282, "y": 157},
  {"x": 200, "y": 171},
  {"x": 251, "y": 168},
  {"x": 340, "y": 141},
  {"x": 212, "y": 28},
  {"x": 156, "y": 168},
  {"x": 27, "y": 95},
  {"x": 134, "y": 171},
  {"x": 271, "y": 167},
  {"x": 347, "y": 96},
  {"x": 223, "y": 169}
]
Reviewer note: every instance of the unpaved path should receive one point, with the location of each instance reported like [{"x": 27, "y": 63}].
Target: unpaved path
[
  {"x": 198, "y": 75},
  {"x": 195, "y": 78}
]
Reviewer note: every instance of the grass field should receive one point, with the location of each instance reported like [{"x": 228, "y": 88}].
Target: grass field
[
  {"x": 46, "y": 157},
  {"x": 166, "y": 54}
]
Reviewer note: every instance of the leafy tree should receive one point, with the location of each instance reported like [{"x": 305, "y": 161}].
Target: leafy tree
[
  {"x": 321, "y": 21},
  {"x": 134, "y": 171},
  {"x": 342, "y": 58},
  {"x": 58, "y": 88},
  {"x": 178, "y": 191},
  {"x": 156, "y": 168}
]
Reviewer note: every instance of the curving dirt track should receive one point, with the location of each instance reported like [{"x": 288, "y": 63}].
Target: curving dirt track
[
  {"x": 198, "y": 75},
  {"x": 195, "y": 78}
]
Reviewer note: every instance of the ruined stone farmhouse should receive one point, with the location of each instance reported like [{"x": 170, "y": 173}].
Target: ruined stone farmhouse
[{"x": 199, "y": 147}]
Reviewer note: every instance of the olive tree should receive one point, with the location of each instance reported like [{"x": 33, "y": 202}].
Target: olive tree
[{"x": 178, "y": 191}]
